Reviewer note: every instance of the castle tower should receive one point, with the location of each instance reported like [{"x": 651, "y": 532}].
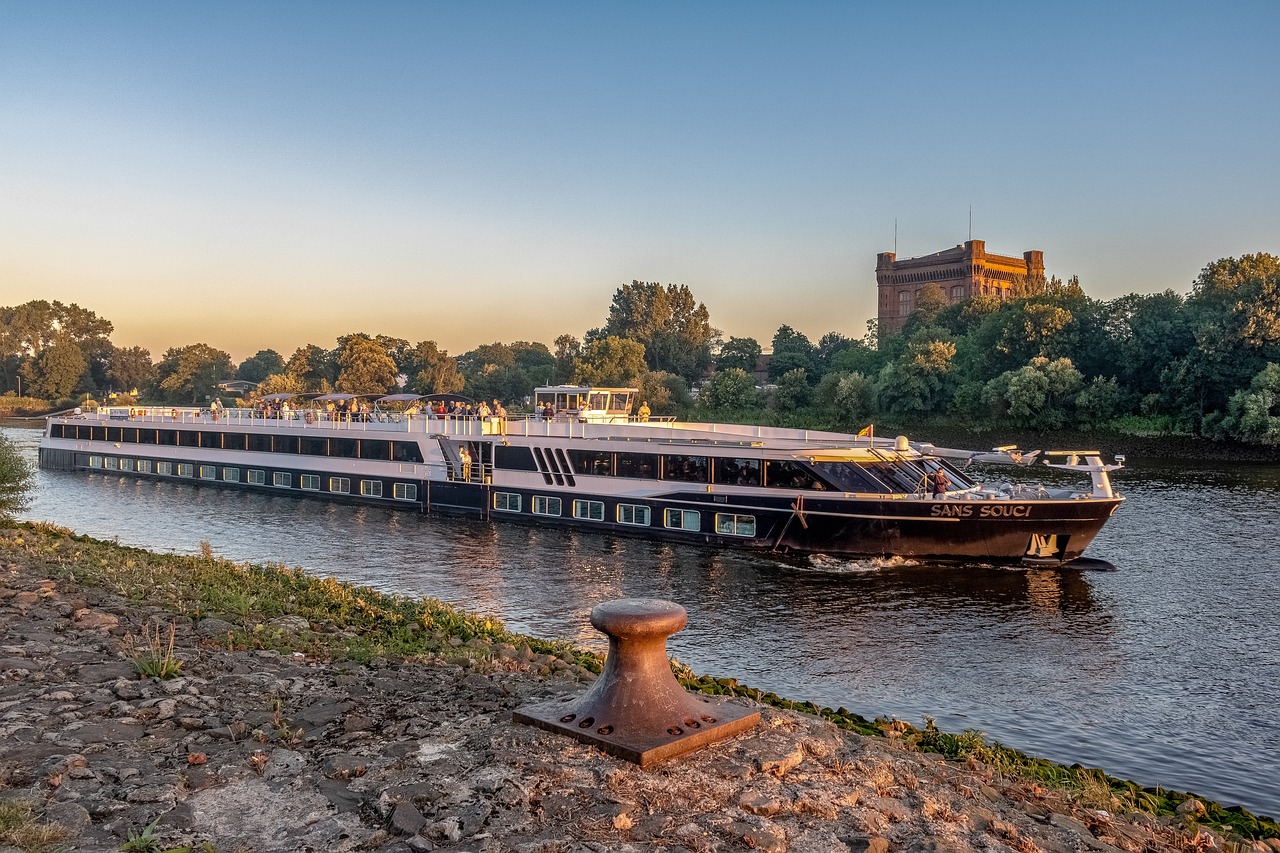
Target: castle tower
[{"x": 963, "y": 272}]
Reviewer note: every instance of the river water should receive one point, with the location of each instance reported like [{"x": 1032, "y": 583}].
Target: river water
[{"x": 1165, "y": 671}]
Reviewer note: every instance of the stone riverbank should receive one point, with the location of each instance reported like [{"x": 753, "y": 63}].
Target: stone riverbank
[{"x": 259, "y": 751}]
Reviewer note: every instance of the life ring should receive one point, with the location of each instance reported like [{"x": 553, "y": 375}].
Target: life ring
[
  {"x": 311, "y": 417},
  {"x": 174, "y": 414}
]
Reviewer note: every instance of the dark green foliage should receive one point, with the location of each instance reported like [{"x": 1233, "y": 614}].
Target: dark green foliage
[
  {"x": 260, "y": 365},
  {"x": 16, "y": 476}
]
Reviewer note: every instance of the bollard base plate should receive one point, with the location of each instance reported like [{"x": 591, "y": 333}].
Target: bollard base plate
[{"x": 712, "y": 720}]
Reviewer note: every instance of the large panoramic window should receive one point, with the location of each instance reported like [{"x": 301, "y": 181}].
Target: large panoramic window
[
  {"x": 642, "y": 465},
  {"x": 597, "y": 462},
  {"x": 737, "y": 472},
  {"x": 785, "y": 474},
  {"x": 688, "y": 469}
]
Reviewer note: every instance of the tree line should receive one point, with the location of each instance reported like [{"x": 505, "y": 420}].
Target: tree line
[{"x": 1047, "y": 356}]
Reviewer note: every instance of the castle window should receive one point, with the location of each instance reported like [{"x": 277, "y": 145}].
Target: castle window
[
  {"x": 957, "y": 292},
  {"x": 904, "y": 303}
]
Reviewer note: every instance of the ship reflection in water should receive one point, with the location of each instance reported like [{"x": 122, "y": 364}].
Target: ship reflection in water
[{"x": 1163, "y": 671}]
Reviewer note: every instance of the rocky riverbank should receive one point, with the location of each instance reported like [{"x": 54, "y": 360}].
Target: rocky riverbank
[{"x": 258, "y": 750}]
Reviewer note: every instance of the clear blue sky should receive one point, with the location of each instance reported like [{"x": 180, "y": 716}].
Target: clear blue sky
[{"x": 269, "y": 174}]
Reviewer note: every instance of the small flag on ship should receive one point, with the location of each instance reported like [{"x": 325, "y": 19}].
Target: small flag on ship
[{"x": 869, "y": 431}]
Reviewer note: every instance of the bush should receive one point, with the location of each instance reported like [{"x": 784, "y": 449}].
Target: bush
[{"x": 15, "y": 480}]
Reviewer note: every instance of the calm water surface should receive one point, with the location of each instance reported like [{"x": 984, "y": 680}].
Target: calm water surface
[{"x": 1165, "y": 671}]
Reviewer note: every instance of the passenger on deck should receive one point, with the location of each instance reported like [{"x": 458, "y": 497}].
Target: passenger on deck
[
  {"x": 465, "y": 456},
  {"x": 643, "y": 412},
  {"x": 941, "y": 482}
]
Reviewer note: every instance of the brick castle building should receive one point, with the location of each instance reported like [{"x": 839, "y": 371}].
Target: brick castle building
[{"x": 963, "y": 273}]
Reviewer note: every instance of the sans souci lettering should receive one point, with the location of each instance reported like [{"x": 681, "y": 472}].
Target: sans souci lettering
[{"x": 984, "y": 511}]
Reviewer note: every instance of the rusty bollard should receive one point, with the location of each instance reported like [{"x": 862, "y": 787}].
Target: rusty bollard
[{"x": 637, "y": 710}]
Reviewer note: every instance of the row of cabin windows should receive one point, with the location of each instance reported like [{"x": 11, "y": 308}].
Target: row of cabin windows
[
  {"x": 685, "y": 468},
  {"x": 726, "y": 524},
  {"x": 253, "y": 476},
  {"x": 263, "y": 442}
]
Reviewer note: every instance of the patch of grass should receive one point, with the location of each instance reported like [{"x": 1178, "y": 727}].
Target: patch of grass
[
  {"x": 21, "y": 829},
  {"x": 155, "y": 659}
]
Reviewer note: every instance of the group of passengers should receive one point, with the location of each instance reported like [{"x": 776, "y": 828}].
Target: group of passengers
[{"x": 465, "y": 411}]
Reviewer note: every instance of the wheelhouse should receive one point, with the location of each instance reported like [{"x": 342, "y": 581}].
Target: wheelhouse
[{"x": 586, "y": 403}]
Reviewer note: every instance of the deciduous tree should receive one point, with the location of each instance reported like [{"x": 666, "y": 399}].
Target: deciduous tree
[
  {"x": 612, "y": 361},
  {"x": 432, "y": 370},
  {"x": 792, "y": 350},
  {"x": 365, "y": 367},
  {"x": 131, "y": 368},
  {"x": 191, "y": 374},
  {"x": 674, "y": 328},
  {"x": 742, "y": 353},
  {"x": 16, "y": 477},
  {"x": 260, "y": 365},
  {"x": 57, "y": 371},
  {"x": 729, "y": 390}
]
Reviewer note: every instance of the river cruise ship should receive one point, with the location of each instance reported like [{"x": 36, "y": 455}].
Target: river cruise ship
[{"x": 584, "y": 461}]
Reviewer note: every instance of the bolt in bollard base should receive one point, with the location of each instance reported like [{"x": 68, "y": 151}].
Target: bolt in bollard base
[{"x": 637, "y": 710}]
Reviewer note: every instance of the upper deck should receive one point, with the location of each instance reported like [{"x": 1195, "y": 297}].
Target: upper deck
[{"x": 562, "y": 426}]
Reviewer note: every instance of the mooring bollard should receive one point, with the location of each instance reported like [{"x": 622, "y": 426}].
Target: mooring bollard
[{"x": 637, "y": 710}]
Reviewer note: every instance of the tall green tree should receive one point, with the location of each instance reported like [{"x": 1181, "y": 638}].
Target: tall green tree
[
  {"x": 610, "y": 362},
  {"x": 920, "y": 382},
  {"x": 365, "y": 367},
  {"x": 792, "y": 350},
  {"x": 742, "y": 353},
  {"x": 58, "y": 370},
  {"x": 191, "y": 374},
  {"x": 567, "y": 348},
  {"x": 313, "y": 368},
  {"x": 674, "y": 328},
  {"x": 432, "y": 370},
  {"x": 507, "y": 372},
  {"x": 260, "y": 365},
  {"x": 131, "y": 368},
  {"x": 1235, "y": 317}
]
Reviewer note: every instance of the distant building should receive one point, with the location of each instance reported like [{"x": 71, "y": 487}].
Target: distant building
[
  {"x": 237, "y": 386},
  {"x": 963, "y": 273}
]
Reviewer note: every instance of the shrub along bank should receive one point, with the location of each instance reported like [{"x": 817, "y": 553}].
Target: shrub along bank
[{"x": 356, "y": 623}]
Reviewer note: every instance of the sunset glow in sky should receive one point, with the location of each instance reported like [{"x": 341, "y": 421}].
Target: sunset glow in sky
[{"x": 255, "y": 175}]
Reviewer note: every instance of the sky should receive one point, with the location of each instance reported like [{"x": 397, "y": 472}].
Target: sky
[{"x": 270, "y": 174}]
